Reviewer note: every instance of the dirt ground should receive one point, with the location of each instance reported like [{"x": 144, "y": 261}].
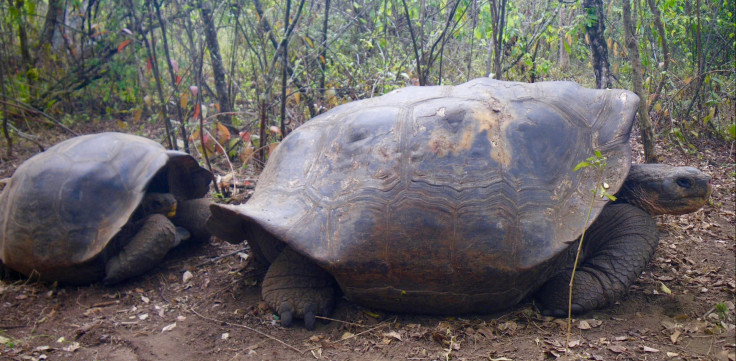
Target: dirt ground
[{"x": 203, "y": 303}]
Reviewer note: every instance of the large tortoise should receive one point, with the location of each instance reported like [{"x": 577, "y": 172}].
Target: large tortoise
[
  {"x": 97, "y": 207},
  {"x": 456, "y": 199}
]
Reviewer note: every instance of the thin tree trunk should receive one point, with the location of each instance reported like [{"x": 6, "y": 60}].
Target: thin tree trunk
[
  {"x": 6, "y": 131},
  {"x": 151, "y": 51},
  {"x": 564, "y": 57},
  {"x": 233, "y": 57},
  {"x": 323, "y": 50},
  {"x": 498, "y": 13},
  {"x": 595, "y": 28},
  {"x": 645, "y": 124},
  {"x": 284, "y": 67},
  {"x": 414, "y": 44},
  {"x": 262, "y": 140},
  {"x": 25, "y": 54},
  {"x": 218, "y": 70},
  {"x": 474, "y": 15},
  {"x": 702, "y": 53},
  {"x": 174, "y": 84},
  {"x": 665, "y": 51},
  {"x": 53, "y": 14}
]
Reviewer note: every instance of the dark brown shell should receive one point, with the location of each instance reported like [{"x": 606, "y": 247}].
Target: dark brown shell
[
  {"x": 63, "y": 206},
  {"x": 441, "y": 199}
]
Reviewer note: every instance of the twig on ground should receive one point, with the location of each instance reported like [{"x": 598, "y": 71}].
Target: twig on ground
[
  {"x": 340, "y": 321},
  {"x": 215, "y": 259},
  {"x": 249, "y": 329},
  {"x": 382, "y": 324},
  {"x": 162, "y": 288}
]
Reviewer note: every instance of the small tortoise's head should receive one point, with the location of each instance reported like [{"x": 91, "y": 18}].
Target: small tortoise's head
[
  {"x": 665, "y": 189},
  {"x": 162, "y": 203}
]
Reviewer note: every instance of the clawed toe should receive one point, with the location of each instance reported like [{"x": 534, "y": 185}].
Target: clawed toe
[
  {"x": 286, "y": 314},
  {"x": 309, "y": 316}
]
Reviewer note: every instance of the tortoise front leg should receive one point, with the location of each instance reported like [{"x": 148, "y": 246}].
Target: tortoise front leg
[
  {"x": 145, "y": 250},
  {"x": 616, "y": 249},
  {"x": 295, "y": 287},
  {"x": 192, "y": 215}
]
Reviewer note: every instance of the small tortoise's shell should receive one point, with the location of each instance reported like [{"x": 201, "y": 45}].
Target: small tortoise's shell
[
  {"x": 62, "y": 207},
  {"x": 443, "y": 199}
]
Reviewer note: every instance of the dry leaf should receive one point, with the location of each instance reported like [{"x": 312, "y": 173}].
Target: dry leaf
[
  {"x": 649, "y": 349},
  {"x": 393, "y": 334},
  {"x": 672, "y": 354},
  {"x": 675, "y": 336},
  {"x": 168, "y": 327},
  {"x": 344, "y": 336},
  {"x": 584, "y": 325},
  {"x": 145, "y": 299},
  {"x": 617, "y": 348},
  {"x": 225, "y": 336},
  {"x": 317, "y": 353},
  {"x": 72, "y": 347},
  {"x": 664, "y": 288},
  {"x": 143, "y": 316}
]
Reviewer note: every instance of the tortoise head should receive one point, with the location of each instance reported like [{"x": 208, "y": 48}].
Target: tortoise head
[
  {"x": 162, "y": 203},
  {"x": 665, "y": 189}
]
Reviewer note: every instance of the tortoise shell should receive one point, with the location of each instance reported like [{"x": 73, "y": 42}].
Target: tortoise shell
[
  {"x": 62, "y": 207},
  {"x": 443, "y": 199}
]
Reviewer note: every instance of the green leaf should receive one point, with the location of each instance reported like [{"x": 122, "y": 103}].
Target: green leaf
[
  {"x": 582, "y": 164},
  {"x": 598, "y": 154},
  {"x": 610, "y": 196}
]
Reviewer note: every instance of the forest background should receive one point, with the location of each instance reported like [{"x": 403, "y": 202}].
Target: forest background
[
  {"x": 253, "y": 70},
  {"x": 233, "y": 77}
]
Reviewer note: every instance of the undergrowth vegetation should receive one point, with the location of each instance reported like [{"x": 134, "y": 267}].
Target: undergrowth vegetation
[{"x": 260, "y": 68}]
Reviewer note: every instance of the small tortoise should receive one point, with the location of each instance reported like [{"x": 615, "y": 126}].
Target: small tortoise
[
  {"x": 456, "y": 199},
  {"x": 97, "y": 207}
]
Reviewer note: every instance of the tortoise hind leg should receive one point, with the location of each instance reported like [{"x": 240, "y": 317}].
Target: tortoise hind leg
[
  {"x": 616, "y": 249},
  {"x": 145, "y": 250},
  {"x": 297, "y": 288}
]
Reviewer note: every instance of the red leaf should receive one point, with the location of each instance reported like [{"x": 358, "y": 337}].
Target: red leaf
[
  {"x": 148, "y": 65},
  {"x": 221, "y": 133},
  {"x": 123, "y": 45},
  {"x": 178, "y": 80},
  {"x": 245, "y": 136},
  {"x": 197, "y": 110}
]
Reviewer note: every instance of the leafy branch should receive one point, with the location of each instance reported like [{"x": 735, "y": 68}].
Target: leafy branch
[{"x": 600, "y": 190}]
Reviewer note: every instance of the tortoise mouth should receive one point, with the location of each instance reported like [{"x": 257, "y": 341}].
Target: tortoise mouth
[{"x": 685, "y": 204}]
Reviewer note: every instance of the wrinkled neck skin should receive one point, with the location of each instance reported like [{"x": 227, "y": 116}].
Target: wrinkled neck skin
[{"x": 665, "y": 189}]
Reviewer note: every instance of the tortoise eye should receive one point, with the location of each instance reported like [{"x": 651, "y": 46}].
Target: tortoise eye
[{"x": 684, "y": 182}]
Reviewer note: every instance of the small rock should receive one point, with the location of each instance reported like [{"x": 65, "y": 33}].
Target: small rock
[{"x": 186, "y": 277}]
